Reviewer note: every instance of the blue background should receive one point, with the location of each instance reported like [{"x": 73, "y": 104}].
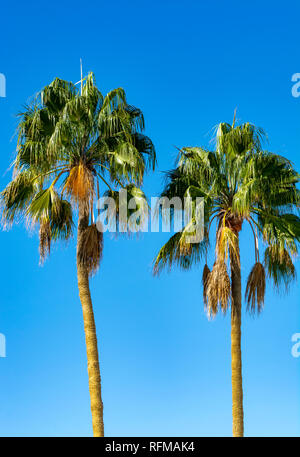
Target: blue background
[{"x": 165, "y": 367}]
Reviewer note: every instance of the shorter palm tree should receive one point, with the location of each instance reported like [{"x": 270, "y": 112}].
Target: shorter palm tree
[
  {"x": 240, "y": 184},
  {"x": 72, "y": 142}
]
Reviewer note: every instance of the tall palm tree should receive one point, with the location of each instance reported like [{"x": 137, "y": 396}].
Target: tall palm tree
[
  {"x": 240, "y": 184},
  {"x": 72, "y": 143}
]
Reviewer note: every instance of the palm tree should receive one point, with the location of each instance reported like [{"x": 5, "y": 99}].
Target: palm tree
[
  {"x": 71, "y": 142},
  {"x": 240, "y": 183}
]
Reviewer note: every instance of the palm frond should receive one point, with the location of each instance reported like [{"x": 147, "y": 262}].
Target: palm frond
[
  {"x": 57, "y": 94},
  {"x": 175, "y": 253},
  {"x": 61, "y": 221},
  {"x": 16, "y": 197},
  {"x": 239, "y": 139},
  {"x": 130, "y": 209},
  {"x": 280, "y": 267}
]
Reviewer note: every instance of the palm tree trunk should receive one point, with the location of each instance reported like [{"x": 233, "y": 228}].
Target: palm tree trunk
[
  {"x": 90, "y": 334},
  {"x": 236, "y": 353}
]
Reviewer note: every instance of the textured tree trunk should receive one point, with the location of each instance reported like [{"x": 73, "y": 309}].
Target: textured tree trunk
[
  {"x": 236, "y": 353},
  {"x": 90, "y": 335}
]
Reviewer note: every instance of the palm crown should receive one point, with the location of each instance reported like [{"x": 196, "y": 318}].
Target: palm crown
[
  {"x": 73, "y": 142},
  {"x": 240, "y": 182}
]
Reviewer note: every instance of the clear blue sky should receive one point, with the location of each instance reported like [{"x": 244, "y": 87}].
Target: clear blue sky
[{"x": 165, "y": 367}]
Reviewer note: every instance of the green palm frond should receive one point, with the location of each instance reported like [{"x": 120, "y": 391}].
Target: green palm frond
[
  {"x": 61, "y": 222},
  {"x": 132, "y": 212},
  {"x": 145, "y": 146},
  {"x": 268, "y": 180},
  {"x": 280, "y": 230},
  {"x": 239, "y": 140},
  {"x": 176, "y": 252},
  {"x": 49, "y": 205},
  {"x": 280, "y": 267},
  {"x": 17, "y": 195},
  {"x": 114, "y": 100},
  {"x": 57, "y": 94},
  {"x": 43, "y": 203},
  {"x": 126, "y": 163}
]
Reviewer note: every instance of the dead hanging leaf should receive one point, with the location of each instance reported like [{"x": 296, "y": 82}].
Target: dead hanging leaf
[
  {"x": 218, "y": 290},
  {"x": 256, "y": 286},
  {"x": 205, "y": 276},
  {"x": 45, "y": 239},
  {"x": 90, "y": 248}
]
